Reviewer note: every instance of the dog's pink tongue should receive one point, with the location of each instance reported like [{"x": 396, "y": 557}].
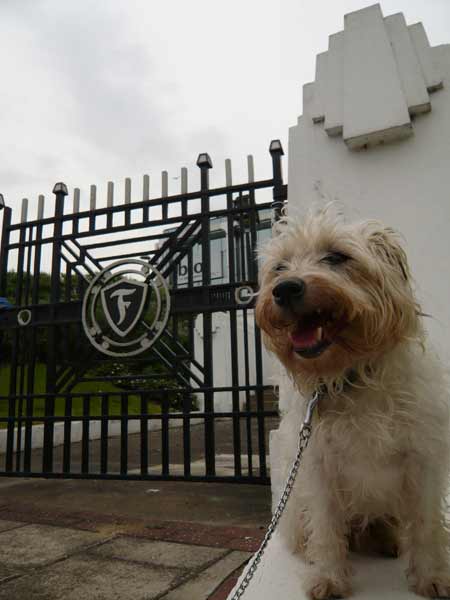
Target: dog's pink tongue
[{"x": 303, "y": 338}]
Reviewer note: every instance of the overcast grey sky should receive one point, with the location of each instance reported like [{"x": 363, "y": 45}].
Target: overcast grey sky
[{"x": 97, "y": 90}]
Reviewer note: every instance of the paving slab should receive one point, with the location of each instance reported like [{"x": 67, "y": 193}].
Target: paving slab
[
  {"x": 89, "y": 578},
  {"x": 224, "y": 589},
  {"x": 125, "y": 539},
  {"x": 37, "y": 545},
  {"x": 233, "y": 538},
  {"x": 203, "y": 585},
  {"x": 246, "y": 539},
  {"x": 164, "y": 554},
  {"x": 6, "y": 525},
  {"x": 6, "y": 573}
]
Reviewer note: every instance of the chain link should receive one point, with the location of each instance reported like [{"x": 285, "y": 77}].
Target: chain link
[{"x": 303, "y": 439}]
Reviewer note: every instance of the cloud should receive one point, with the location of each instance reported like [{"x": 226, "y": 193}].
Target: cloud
[
  {"x": 81, "y": 91},
  {"x": 98, "y": 89}
]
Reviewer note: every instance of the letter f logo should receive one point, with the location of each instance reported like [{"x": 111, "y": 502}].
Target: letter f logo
[
  {"x": 123, "y": 303},
  {"x": 122, "y": 306}
]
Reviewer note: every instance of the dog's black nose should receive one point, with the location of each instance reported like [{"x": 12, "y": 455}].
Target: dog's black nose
[{"x": 289, "y": 290}]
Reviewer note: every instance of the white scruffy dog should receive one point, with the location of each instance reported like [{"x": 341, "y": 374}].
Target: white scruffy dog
[{"x": 336, "y": 306}]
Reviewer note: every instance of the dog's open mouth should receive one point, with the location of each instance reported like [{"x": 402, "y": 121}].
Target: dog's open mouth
[{"x": 314, "y": 333}]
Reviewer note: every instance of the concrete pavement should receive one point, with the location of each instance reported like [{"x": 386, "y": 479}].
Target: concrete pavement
[{"x": 121, "y": 540}]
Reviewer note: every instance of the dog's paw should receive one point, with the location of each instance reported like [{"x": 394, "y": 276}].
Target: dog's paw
[
  {"x": 431, "y": 587},
  {"x": 322, "y": 587}
]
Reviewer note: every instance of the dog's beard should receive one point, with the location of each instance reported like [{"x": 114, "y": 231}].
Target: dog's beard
[{"x": 332, "y": 333}]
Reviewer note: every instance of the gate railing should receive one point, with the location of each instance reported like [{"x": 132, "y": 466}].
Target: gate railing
[{"x": 49, "y": 355}]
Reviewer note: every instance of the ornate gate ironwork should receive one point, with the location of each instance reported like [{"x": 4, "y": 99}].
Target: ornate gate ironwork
[{"x": 110, "y": 362}]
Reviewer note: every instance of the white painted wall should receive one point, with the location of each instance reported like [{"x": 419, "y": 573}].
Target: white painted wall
[
  {"x": 221, "y": 343},
  {"x": 405, "y": 183},
  {"x": 76, "y": 432}
]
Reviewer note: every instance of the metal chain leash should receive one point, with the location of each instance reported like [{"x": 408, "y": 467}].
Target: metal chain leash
[{"x": 303, "y": 439}]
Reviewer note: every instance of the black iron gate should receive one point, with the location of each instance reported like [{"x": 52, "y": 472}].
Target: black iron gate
[{"x": 135, "y": 355}]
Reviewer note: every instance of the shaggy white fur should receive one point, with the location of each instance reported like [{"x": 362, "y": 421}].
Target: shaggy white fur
[{"x": 337, "y": 307}]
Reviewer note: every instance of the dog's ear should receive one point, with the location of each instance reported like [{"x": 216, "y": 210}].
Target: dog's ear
[{"x": 384, "y": 242}]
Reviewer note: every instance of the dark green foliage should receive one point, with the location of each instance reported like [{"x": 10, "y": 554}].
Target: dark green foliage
[
  {"x": 12, "y": 287},
  {"x": 80, "y": 361}
]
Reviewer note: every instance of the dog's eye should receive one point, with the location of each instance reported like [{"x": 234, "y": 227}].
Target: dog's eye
[
  {"x": 280, "y": 267},
  {"x": 335, "y": 258}
]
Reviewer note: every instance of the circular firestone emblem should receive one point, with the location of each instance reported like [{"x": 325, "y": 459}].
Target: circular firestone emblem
[{"x": 126, "y": 308}]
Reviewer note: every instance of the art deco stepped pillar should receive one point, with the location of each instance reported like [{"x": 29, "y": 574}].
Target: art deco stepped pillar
[{"x": 375, "y": 136}]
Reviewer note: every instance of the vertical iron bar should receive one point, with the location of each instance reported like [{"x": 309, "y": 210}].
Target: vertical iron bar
[
  {"x": 175, "y": 322},
  {"x": 21, "y": 254},
  {"x": 164, "y": 194},
  {"x": 240, "y": 274},
  {"x": 250, "y": 170},
  {"x": 15, "y": 368},
  {"x": 92, "y": 207},
  {"x": 174, "y": 286},
  {"x": 81, "y": 287},
  {"x": 124, "y": 434},
  {"x": 127, "y": 201},
  {"x": 60, "y": 191},
  {"x": 67, "y": 449},
  {"x": 259, "y": 392},
  {"x": 4, "y": 249},
  {"x": 243, "y": 238},
  {"x": 19, "y": 363},
  {"x": 204, "y": 163},
  {"x": 85, "y": 435},
  {"x": 104, "y": 435},
  {"x": 29, "y": 351},
  {"x": 242, "y": 260},
  {"x": 24, "y": 357},
  {"x": 28, "y": 270},
  {"x": 191, "y": 318},
  {"x": 12, "y": 400},
  {"x": 110, "y": 204},
  {"x": 75, "y": 210},
  {"x": 144, "y": 434},
  {"x": 260, "y": 403},
  {"x": 233, "y": 328},
  {"x": 190, "y": 268},
  {"x": 165, "y": 433},
  {"x": 145, "y": 196},
  {"x": 247, "y": 393},
  {"x": 34, "y": 333},
  {"x": 279, "y": 193},
  {"x": 68, "y": 283},
  {"x": 4, "y": 255},
  {"x": 187, "y": 400},
  {"x": 184, "y": 190},
  {"x": 28, "y": 432}
]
